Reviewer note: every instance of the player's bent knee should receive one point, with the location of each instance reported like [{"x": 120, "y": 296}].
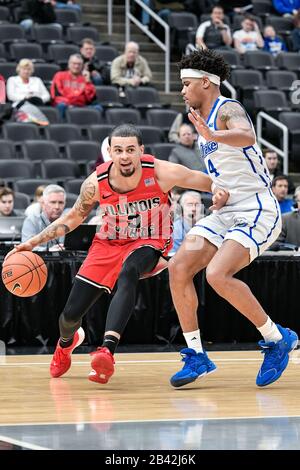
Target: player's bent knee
[
  {"x": 177, "y": 270},
  {"x": 215, "y": 278},
  {"x": 129, "y": 273}
]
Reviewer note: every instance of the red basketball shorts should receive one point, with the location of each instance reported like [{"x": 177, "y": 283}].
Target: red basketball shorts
[{"x": 105, "y": 259}]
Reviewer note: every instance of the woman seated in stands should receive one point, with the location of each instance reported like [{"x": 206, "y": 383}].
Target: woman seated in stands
[{"x": 24, "y": 87}]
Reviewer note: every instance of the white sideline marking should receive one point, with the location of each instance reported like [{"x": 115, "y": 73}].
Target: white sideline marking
[
  {"x": 150, "y": 361},
  {"x": 22, "y": 443},
  {"x": 170, "y": 420}
]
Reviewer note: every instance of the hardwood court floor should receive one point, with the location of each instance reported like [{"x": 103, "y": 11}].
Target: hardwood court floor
[
  {"x": 140, "y": 390},
  {"x": 138, "y": 408}
]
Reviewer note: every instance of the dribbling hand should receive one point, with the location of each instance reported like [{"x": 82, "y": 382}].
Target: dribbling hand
[{"x": 26, "y": 246}]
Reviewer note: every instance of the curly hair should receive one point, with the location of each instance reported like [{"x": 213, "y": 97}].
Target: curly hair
[{"x": 208, "y": 60}]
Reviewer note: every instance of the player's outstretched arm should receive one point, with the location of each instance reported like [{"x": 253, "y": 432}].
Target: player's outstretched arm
[
  {"x": 235, "y": 127},
  {"x": 88, "y": 197},
  {"x": 172, "y": 174}
]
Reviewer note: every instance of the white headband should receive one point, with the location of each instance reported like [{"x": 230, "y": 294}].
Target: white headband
[{"x": 194, "y": 73}]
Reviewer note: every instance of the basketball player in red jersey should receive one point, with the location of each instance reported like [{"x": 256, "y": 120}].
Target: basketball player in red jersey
[{"x": 136, "y": 231}]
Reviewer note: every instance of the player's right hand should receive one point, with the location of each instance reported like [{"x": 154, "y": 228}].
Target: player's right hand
[{"x": 26, "y": 246}]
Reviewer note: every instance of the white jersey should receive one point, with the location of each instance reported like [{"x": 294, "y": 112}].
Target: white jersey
[
  {"x": 240, "y": 170},
  {"x": 251, "y": 215}
]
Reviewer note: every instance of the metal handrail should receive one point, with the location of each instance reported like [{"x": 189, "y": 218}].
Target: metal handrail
[
  {"x": 164, "y": 46},
  {"x": 109, "y": 16},
  {"x": 230, "y": 88},
  {"x": 284, "y": 153}
]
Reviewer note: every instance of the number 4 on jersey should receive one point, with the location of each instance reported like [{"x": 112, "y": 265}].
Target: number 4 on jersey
[{"x": 212, "y": 168}]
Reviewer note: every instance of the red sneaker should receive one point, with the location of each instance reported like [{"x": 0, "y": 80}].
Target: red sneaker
[
  {"x": 61, "y": 361},
  {"x": 102, "y": 366}
]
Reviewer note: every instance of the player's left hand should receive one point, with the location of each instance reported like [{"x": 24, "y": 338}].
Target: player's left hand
[
  {"x": 219, "y": 199},
  {"x": 200, "y": 125}
]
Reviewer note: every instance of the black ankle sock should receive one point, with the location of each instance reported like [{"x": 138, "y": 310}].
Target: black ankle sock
[
  {"x": 65, "y": 343},
  {"x": 110, "y": 342}
]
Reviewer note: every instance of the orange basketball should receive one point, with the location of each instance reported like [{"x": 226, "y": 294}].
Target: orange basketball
[{"x": 24, "y": 273}]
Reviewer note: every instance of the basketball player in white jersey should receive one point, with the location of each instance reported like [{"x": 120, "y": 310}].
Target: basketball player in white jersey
[{"x": 229, "y": 239}]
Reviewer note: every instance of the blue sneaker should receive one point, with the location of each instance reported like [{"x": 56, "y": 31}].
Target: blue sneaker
[
  {"x": 196, "y": 365},
  {"x": 276, "y": 357}
]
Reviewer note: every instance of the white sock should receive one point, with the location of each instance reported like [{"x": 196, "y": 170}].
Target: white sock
[
  {"x": 193, "y": 340},
  {"x": 270, "y": 332}
]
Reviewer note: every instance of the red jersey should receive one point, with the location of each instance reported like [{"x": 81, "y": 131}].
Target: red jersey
[{"x": 143, "y": 213}]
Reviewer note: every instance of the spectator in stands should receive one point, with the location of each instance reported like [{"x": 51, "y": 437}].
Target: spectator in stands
[
  {"x": 273, "y": 165},
  {"x": 181, "y": 118},
  {"x": 35, "y": 207},
  {"x": 214, "y": 33},
  {"x": 280, "y": 189},
  {"x": 25, "y": 87},
  {"x": 73, "y": 87},
  {"x": 191, "y": 210},
  {"x": 130, "y": 68},
  {"x": 290, "y": 232},
  {"x": 273, "y": 43},
  {"x": 249, "y": 37},
  {"x": 67, "y": 4},
  {"x": 295, "y": 34},
  {"x": 286, "y": 7},
  {"x": 53, "y": 204},
  {"x": 7, "y": 199},
  {"x": 37, "y": 11},
  {"x": 187, "y": 151},
  {"x": 2, "y": 90},
  {"x": 91, "y": 64}
]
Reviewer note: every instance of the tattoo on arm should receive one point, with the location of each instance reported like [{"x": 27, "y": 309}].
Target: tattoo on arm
[
  {"x": 54, "y": 230},
  {"x": 233, "y": 112},
  {"x": 85, "y": 201}
]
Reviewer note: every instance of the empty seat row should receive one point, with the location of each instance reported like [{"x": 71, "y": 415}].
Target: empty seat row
[
  {"x": 58, "y": 53},
  {"x": 38, "y": 150},
  {"x": 48, "y": 33},
  {"x": 262, "y": 60},
  {"x": 86, "y": 119},
  {"x": 28, "y": 186},
  {"x": 58, "y": 169},
  {"x": 65, "y": 17}
]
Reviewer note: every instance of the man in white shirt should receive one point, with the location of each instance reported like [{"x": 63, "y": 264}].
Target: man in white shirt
[{"x": 249, "y": 37}]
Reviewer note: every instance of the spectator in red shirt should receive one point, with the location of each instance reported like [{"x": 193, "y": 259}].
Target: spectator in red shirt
[{"x": 73, "y": 87}]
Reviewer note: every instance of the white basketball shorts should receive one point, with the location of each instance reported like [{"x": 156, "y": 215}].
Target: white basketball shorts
[{"x": 255, "y": 223}]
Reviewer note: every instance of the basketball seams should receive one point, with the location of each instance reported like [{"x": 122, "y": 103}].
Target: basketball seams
[
  {"x": 22, "y": 295},
  {"x": 42, "y": 265},
  {"x": 27, "y": 272},
  {"x": 27, "y": 257},
  {"x": 37, "y": 260}
]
